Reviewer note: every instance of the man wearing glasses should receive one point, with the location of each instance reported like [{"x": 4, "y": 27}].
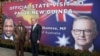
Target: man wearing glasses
[{"x": 84, "y": 31}]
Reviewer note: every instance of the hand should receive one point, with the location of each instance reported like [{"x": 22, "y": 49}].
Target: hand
[{"x": 38, "y": 41}]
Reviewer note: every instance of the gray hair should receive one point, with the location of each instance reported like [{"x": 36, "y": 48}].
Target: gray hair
[{"x": 87, "y": 18}]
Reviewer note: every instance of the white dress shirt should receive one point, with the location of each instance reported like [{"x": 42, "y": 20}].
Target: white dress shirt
[
  {"x": 34, "y": 26},
  {"x": 90, "y": 49},
  {"x": 10, "y": 38},
  {"x": 20, "y": 28}
]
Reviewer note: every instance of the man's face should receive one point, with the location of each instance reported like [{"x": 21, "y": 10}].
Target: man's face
[
  {"x": 8, "y": 27},
  {"x": 19, "y": 22},
  {"x": 33, "y": 21},
  {"x": 83, "y": 32}
]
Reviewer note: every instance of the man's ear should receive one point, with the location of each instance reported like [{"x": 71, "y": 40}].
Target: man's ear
[
  {"x": 95, "y": 34},
  {"x": 72, "y": 32}
]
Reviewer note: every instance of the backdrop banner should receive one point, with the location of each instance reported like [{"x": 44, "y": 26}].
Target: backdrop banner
[{"x": 55, "y": 16}]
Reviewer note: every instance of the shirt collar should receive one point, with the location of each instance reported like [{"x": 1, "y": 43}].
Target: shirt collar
[
  {"x": 10, "y": 38},
  {"x": 35, "y": 24},
  {"x": 90, "y": 49}
]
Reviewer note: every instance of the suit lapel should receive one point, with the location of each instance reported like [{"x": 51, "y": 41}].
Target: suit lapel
[{"x": 34, "y": 27}]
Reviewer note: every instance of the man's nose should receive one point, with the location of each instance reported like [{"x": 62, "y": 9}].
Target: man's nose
[
  {"x": 82, "y": 33},
  {"x": 8, "y": 28}
]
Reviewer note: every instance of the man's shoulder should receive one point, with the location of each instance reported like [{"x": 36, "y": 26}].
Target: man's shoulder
[
  {"x": 39, "y": 25},
  {"x": 96, "y": 49},
  {"x": 72, "y": 46},
  {"x": 2, "y": 36},
  {"x": 16, "y": 26}
]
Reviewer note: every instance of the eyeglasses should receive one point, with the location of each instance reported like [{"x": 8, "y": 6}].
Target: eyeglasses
[{"x": 86, "y": 32}]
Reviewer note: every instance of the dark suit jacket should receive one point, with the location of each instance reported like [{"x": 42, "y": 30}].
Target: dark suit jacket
[
  {"x": 3, "y": 36},
  {"x": 36, "y": 33},
  {"x": 20, "y": 34}
]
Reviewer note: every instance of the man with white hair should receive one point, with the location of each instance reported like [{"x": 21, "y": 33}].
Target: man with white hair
[{"x": 84, "y": 31}]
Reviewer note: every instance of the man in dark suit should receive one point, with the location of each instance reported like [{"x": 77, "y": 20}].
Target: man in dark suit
[
  {"x": 84, "y": 31},
  {"x": 35, "y": 36},
  {"x": 20, "y": 33}
]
